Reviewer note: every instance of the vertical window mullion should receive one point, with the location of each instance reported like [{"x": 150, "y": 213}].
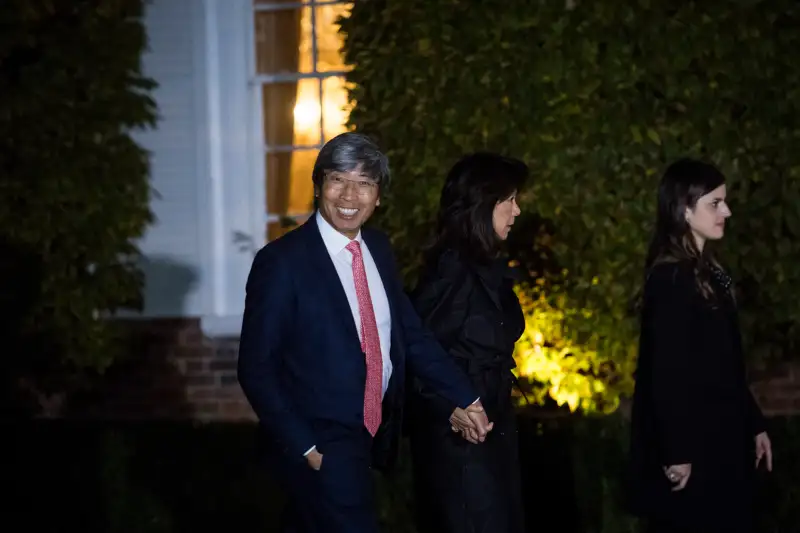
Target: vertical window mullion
[{"x": 314, "y": 61}]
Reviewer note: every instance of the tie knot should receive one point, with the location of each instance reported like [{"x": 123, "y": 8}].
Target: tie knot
[{"x": 354, "y": 247}]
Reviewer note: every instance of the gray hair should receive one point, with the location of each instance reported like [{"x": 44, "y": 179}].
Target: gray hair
[{"x": 347, "y": 152}]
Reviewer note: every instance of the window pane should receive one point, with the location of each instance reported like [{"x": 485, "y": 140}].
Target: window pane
[
  {"x": 279, "y": 174},
  {"x": 301, "y": 193},
  {"x": 329, "y": 40},
  {"x": 305, "y": 44},
  {"x": 306, "y": 113},
  {"x": 280, "y": 37},
  {"x": 336, "y": 107},
  {"x": 276, "y": 229},
  {"x": 290, "y": 190},
  {"x": 291, "y": 113}
]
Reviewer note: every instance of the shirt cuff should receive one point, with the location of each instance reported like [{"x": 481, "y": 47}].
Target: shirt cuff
[{"x": 309, "y": 451}]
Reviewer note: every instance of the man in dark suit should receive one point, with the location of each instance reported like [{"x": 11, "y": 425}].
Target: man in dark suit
[{"x": 327, "y": 336}]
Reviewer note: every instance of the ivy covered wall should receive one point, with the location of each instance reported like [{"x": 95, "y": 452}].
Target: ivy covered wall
[{"x": 597, "y": 99}]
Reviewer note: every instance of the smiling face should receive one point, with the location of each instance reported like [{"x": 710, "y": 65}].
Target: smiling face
[
  {"x": 503, "y": 216},
  {"x": 707, "y": 218},
  {"x": 347, "y": 200}
]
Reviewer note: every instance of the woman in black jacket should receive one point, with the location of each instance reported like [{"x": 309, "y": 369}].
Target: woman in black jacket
[
  {"x": 465, "y": 297},
  {"x": 697, "y": 432}
]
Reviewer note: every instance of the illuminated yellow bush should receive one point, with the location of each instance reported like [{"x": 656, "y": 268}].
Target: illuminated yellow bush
[{"x": 555, "y": 366}]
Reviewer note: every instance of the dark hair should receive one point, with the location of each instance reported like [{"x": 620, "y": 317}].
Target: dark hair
[
  {"x": 349, "y": 151},
  {"x": 683, "y": 183},
  {"x": 472, "y": 189}
]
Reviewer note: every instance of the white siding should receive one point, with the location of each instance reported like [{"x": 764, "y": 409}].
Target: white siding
[{"x": 173, "y": 262}]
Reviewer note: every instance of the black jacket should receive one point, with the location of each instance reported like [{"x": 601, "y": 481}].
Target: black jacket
[
  {"x": 475, "y": 315},
  {"x": 692, "y": 405}
]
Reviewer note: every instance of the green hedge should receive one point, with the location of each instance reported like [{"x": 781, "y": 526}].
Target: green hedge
[
  {"x": 598, "y": 99},
  {"x": 74, "y": 192},
  {"x": 169, "y": 478}
]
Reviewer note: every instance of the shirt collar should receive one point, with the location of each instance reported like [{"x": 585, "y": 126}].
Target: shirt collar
[{"x": 334, "y": 241}]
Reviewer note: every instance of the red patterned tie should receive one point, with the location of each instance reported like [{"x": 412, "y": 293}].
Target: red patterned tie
[{"x": 370, "y": 342}]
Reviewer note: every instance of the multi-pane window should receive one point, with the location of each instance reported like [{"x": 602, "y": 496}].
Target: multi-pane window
[{"x": 304, "y": 103}]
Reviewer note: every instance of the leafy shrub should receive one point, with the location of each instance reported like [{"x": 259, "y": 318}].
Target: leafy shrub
[
  {"x": 597, "y": 99},
  {"x": 74, "y": 193}
]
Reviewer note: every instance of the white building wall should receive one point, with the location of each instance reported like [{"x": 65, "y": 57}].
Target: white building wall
[{"x": 207, "y": 163}]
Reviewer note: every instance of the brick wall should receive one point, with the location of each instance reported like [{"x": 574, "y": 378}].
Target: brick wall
[
  {"x": 174, "y": 372},
  {"x": 777, "y": 389}
]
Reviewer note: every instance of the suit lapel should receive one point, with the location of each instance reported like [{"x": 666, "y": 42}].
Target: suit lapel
[
  {"x": 387, "y": 277},
  {"x": 322, "y": 267},
  {"x": 392, "y": 401}
]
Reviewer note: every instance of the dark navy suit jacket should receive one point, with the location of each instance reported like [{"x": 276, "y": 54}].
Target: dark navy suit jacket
[{"x": 300, "y": 357}]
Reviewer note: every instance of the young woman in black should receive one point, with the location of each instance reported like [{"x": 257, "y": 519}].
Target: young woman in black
[{"x": 697, "y": 433}]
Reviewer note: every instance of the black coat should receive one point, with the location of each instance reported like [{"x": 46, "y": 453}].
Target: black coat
[
  {"x": 692, "y": 405},
  {"x": 474, "y": 313}
]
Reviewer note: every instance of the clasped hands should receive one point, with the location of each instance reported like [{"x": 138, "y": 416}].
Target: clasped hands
[{"x": 472, "y": 423}]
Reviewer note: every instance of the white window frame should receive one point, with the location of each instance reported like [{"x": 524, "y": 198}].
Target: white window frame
[
  {"x": 233, "y": 185},
  {"x": 259, "y": 80}
]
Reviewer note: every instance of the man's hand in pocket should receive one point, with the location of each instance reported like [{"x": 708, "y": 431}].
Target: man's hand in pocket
[{"x": 314, "y": 459}]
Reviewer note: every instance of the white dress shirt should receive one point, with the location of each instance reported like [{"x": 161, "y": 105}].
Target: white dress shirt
[
  {"x": 336, "y": 244},
  {"x": 342, "y": 259}
]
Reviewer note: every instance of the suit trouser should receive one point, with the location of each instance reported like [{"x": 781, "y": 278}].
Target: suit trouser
[{"x": 340, "y": 496}]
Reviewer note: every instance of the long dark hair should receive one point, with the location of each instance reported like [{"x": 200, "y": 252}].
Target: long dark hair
[
  {"x": 683, "y": 183},
  {"x": 472, "y": 189}
]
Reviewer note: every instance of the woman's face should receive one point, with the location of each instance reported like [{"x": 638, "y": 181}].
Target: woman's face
[
  {"x": 504, "y": 214},
  {"x": 707, "y": 218}
]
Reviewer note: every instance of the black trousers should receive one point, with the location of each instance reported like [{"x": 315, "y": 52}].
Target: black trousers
[{"x": 339, "y": 497}]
